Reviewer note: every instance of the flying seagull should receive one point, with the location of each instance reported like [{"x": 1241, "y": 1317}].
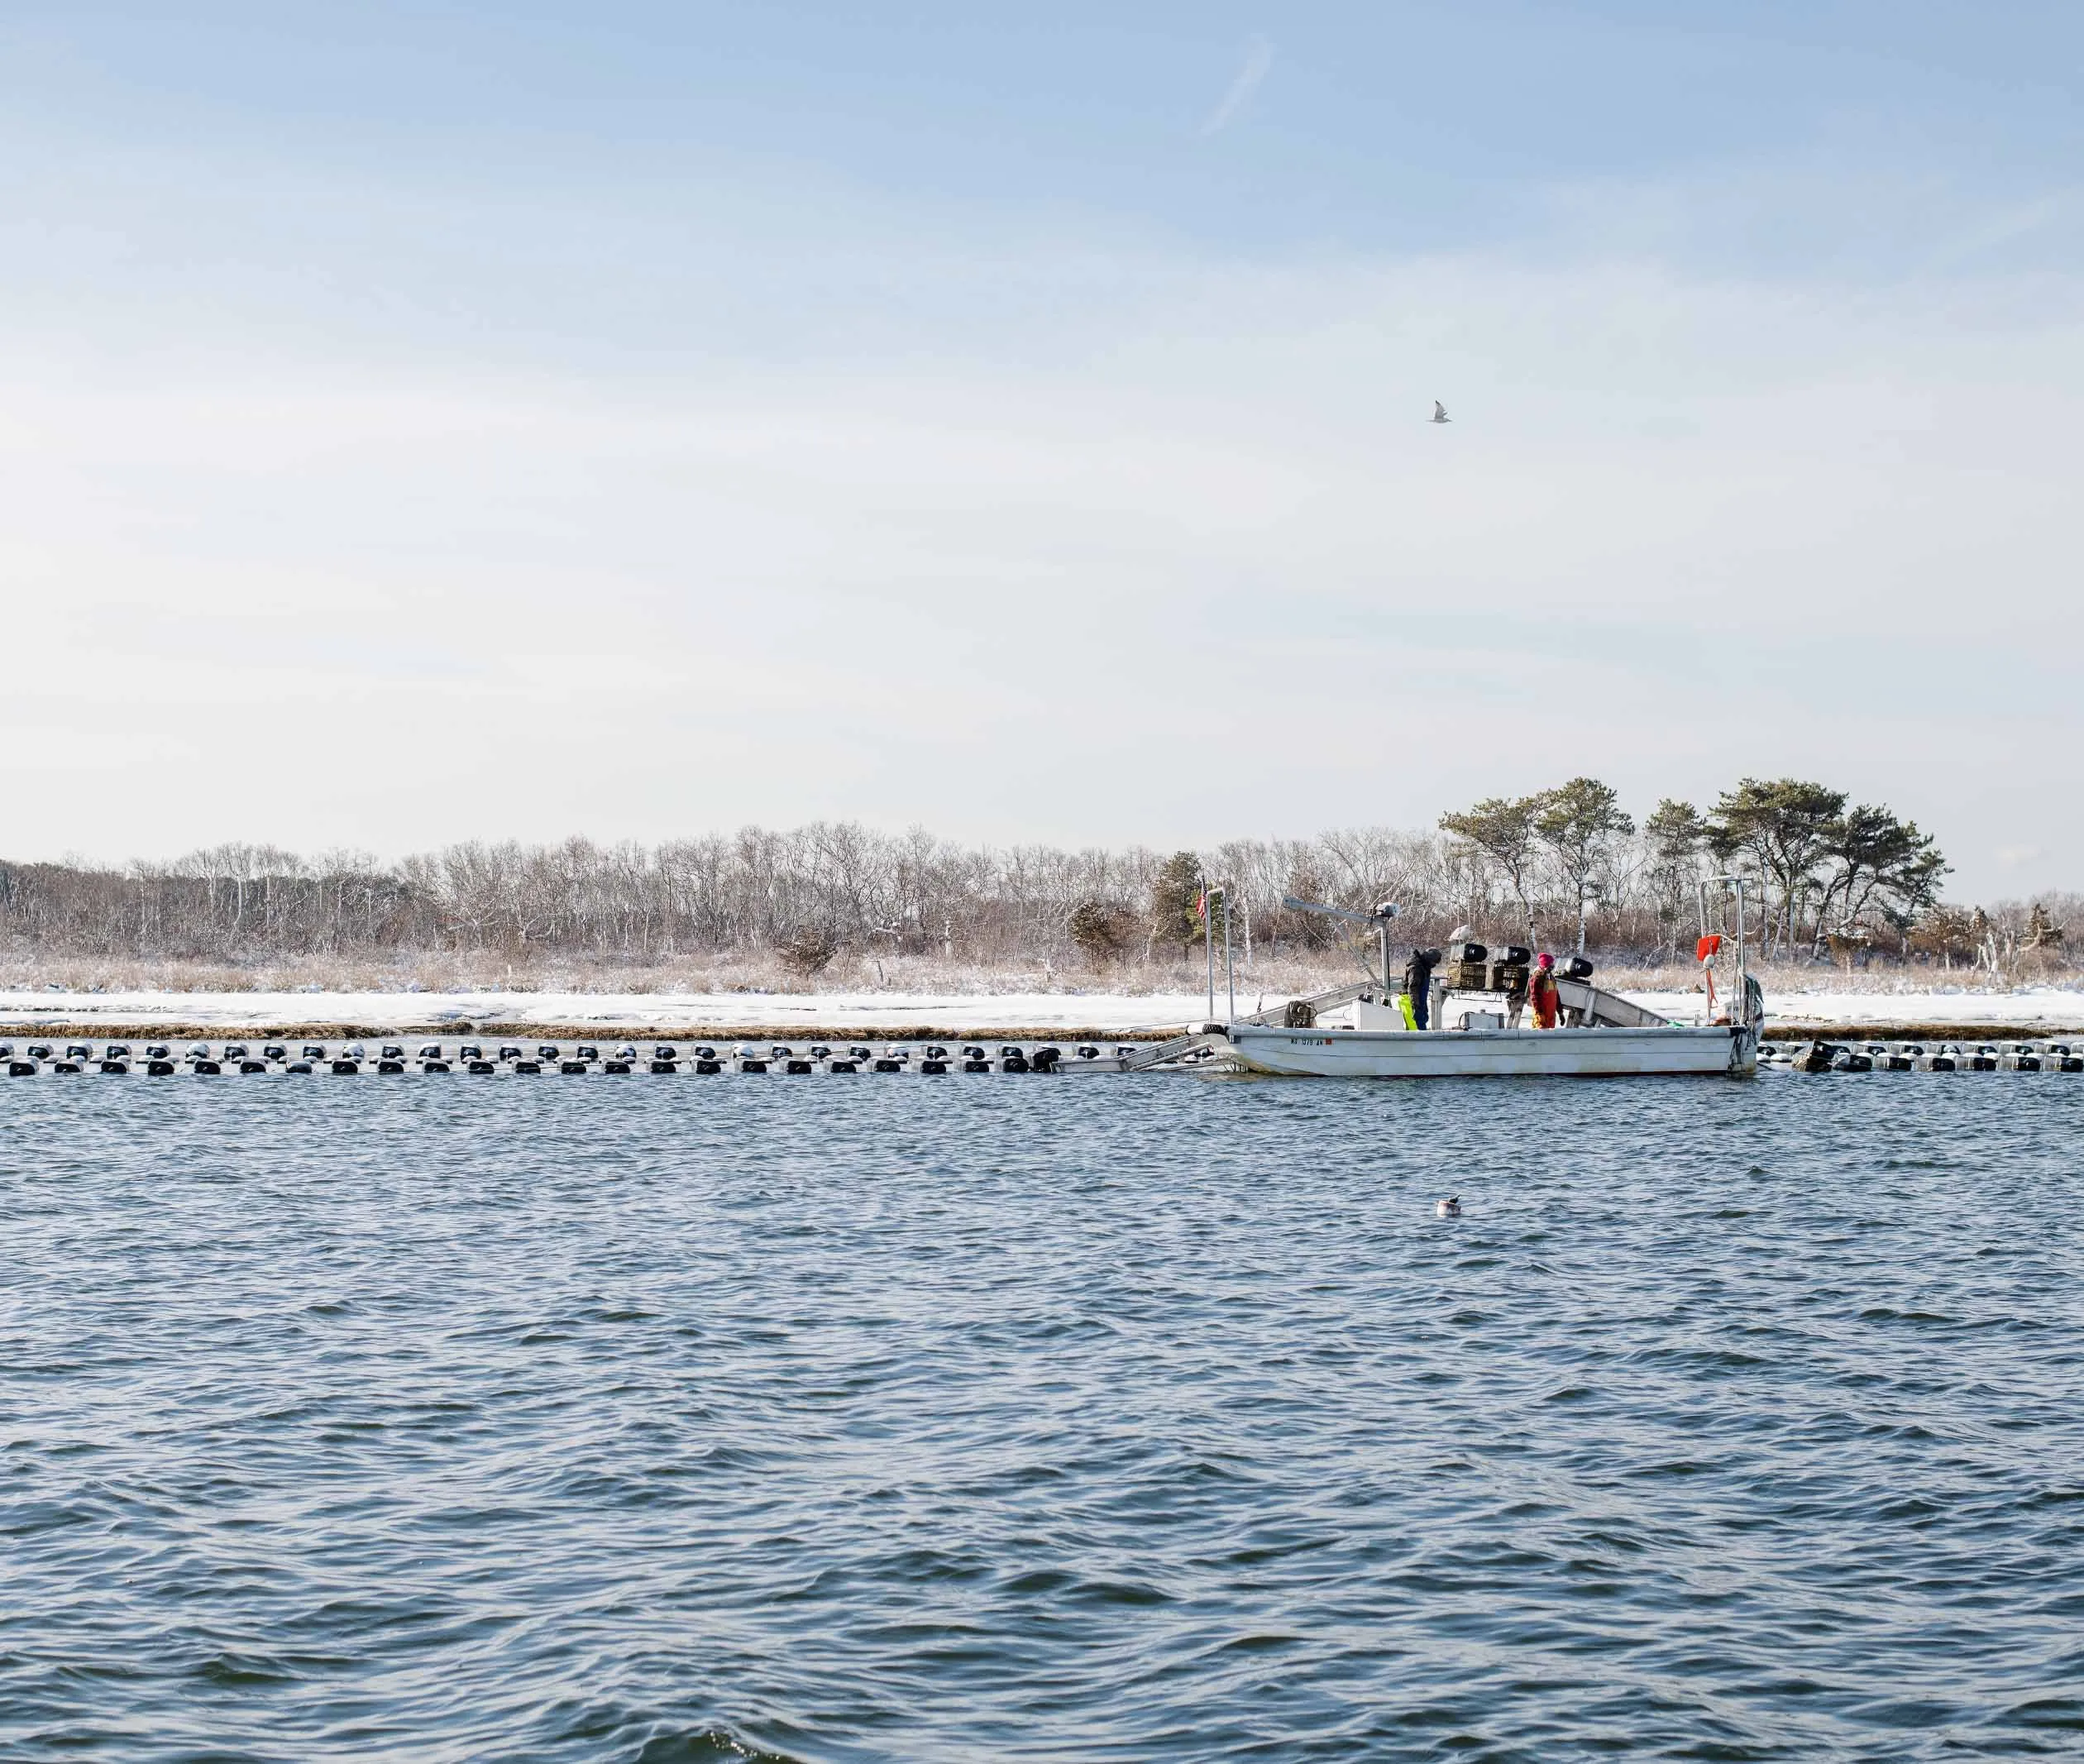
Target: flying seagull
[{"x": 1440, "y": 413}]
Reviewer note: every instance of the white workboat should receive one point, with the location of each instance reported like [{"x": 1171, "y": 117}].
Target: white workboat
[
  {"x": 1476, "y": 1003},
  {"x": 1606, "y": 1037}
]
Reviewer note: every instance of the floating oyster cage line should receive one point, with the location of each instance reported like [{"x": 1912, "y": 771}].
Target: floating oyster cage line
[
  {"x": 530, "y": 1059},
  {"x": 1848, "y": 1055},
  {"x": 517, "y": 1058}
]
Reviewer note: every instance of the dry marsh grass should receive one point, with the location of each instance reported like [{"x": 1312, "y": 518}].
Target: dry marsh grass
[{"x": 1281, "y": 977}]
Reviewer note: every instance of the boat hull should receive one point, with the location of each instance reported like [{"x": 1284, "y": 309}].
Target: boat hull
[{"x": 1495, "y": 1053}]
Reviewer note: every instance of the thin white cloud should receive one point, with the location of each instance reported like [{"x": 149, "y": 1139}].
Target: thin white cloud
[{"x": 1258, "y": 62}]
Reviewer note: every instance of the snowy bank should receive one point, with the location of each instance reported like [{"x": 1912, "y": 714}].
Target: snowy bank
[{"x": 899, "y": 1013}]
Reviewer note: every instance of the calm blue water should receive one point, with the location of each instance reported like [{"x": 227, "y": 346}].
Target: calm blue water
[{"x": 1006, "y": 1419}]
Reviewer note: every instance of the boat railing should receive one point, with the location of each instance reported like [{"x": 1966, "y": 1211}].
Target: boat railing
[{"x": 1318, "y": 1003}]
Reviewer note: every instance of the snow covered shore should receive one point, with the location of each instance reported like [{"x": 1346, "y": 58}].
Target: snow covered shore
[{"x": 896, "y": 1013}]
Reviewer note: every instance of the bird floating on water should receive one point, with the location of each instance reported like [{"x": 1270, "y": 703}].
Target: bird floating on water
[
  {"x": 1450, "y": 1208},
  {"x": 1440, "y": 413}
]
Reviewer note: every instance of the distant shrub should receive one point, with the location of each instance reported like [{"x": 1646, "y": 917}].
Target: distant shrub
[
  {"x": 1102, "y": 929},
  {"x": 1950, "y": 932},
  {"x": 808, "y": 950}
]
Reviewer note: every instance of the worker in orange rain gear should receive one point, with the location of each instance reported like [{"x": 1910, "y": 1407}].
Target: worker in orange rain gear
[{"x": 1542, "y": 992}]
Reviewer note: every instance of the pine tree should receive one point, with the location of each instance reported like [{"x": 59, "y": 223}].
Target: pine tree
[
  {"x": 1175, "y": 896},
  {"x": 1501, "y": 828}
]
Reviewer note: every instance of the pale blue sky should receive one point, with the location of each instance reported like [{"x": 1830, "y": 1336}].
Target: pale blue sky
[{"x": 902, "y": 412}]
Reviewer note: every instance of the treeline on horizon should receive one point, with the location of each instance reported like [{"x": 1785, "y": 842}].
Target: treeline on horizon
[{"x": 1830, "y": 879}]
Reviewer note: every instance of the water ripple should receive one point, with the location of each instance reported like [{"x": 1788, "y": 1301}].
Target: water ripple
[{"x": 1069, "y": 1420}]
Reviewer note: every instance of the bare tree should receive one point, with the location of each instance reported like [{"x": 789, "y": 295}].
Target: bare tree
[
  {"x": 759, "y": 888},
  {"x": 1675, "y": 839}
]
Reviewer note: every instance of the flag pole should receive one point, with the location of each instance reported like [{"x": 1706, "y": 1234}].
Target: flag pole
[{"x": 1230, "y": 962}]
